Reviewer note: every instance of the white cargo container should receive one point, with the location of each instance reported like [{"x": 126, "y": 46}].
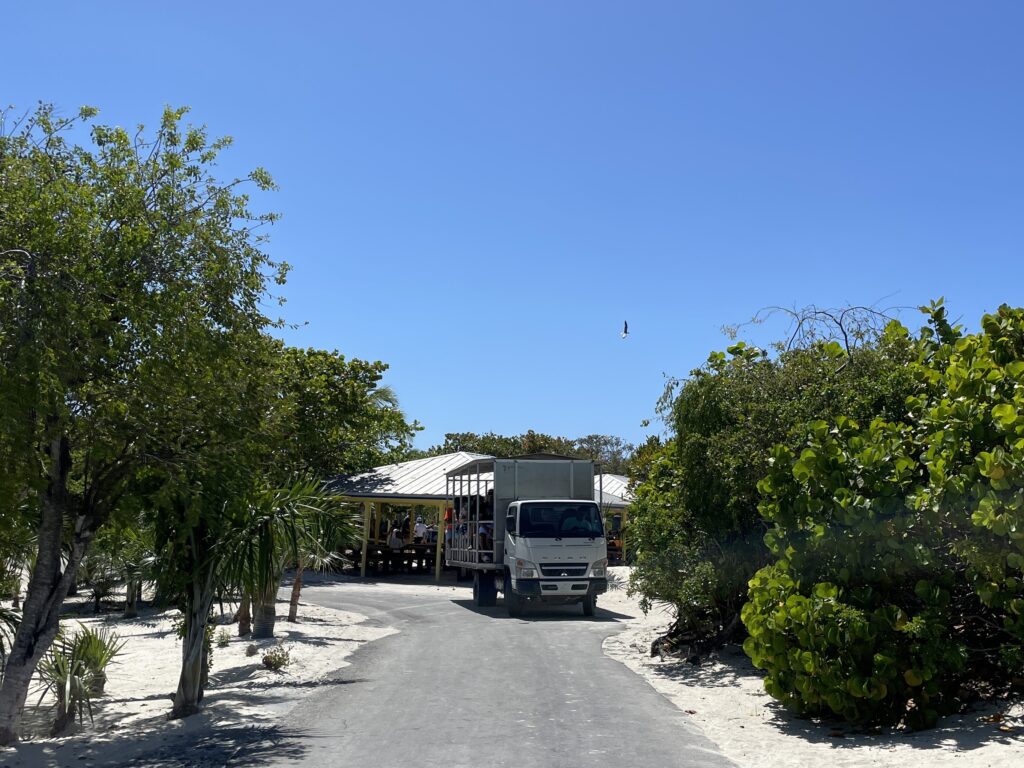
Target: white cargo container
[{"x": 528, "y": 528}]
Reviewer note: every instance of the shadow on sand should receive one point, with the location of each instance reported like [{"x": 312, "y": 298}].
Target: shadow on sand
[
  {"x": 199, "y": 747},
  {"x": 977, "y": 727}
]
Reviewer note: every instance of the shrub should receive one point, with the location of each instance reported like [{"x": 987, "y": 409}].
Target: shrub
[
  {"x": 100, "y": 576},
  {"x": 74, "y": 671},
  {"x": 9, "y": 619},
  {"x": 695, "y": 521},
  {"x": 223, "y": 638},
  {"x": 899, "y": 547},
  {"x": 180, "y": 630},
  {"x": 97, "y": 648},
  {"x": 854, "y": 618},
  {"x": 277, "y": 658}
]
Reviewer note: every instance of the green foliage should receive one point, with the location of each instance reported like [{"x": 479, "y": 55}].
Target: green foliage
[
  {"x": 277, "y": 658},
  {"x": 74, "y": 671},
  {"x": 223, "y": 638},
  {"x": 856, "y": 615},
  {"x": 302, "y": 521},
  {"x": 97, "y": 648},
  {"x": 334, "y": 417},
  {"x": 612, "y": 452},
  {"x": 899, "y": 545},
  {"x": 100, "y": 576},
  {"x": 694, "y": 523},
  {"x": 9, "y": 619}
]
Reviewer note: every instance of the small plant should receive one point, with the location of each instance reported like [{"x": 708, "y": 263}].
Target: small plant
[
  {"x": 223, "y": 638},
  {"x": 74, "y": 671},
  {"x": 101, "y": 577},
  {"x": 178, "y": 625},
  {"x": 97, "y": 648},
  {"x": 8, "y": 626},
  {"x": 277, "y": 658}
]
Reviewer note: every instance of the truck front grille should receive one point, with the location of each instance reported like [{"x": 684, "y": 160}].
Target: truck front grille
[{"x": 563, "y": 569}]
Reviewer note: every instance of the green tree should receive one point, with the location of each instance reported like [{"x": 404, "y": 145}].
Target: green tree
[
  {"x": 612, "y": 452},
  {"x": 695, "y": 524},
  {"x": 898, "y": 557},
  {"x": 334, "y": 416},
  {"x": 302, "y": 522},
  {"x": 122, "y": 267}
]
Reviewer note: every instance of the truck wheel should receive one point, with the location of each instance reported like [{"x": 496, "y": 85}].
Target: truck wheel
[
  {"x": 513, "y": 602},
  {"x": 485, "y": 593},
  {"x": 589, "y": 604}
]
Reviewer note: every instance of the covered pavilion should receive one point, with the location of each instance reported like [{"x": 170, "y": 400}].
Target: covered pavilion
[{"x": 421, "y": 486}]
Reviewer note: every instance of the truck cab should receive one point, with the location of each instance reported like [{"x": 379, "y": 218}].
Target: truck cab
[
  {"x": 554, "y": 552},
  {"x": 529, "y": 527}
]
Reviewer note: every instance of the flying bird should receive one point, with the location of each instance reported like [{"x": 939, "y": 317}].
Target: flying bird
[{"x": 625, "y": 329}]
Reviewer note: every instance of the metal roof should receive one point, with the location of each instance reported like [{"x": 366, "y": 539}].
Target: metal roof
[
  {"x": 486, "y": 463},
  {"x": 416, "y": 479},
  {"x": 426, "y": 479},
  {"x": 617, "y": 485}
]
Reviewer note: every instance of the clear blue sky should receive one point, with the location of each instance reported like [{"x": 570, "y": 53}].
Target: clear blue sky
[{"x": 480, "y": 193}]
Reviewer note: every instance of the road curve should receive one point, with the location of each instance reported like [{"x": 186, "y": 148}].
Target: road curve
[{"x": 461, "y": 687}]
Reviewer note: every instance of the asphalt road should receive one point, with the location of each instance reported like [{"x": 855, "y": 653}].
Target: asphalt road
[{"x": 461, "y": 686}]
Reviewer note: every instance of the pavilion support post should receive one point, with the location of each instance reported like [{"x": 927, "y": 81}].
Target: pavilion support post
[
  {"x": 366, "y": 537},
  {"x": 437, "y": 546}
]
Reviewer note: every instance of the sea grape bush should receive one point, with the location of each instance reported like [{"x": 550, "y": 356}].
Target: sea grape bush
[
  {"x": 846, "y": 619},
  {"x": 695, "y": 524},
  {"x": 898, "y": 545}
]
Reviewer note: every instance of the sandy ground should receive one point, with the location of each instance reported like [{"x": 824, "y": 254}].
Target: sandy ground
[
  {"x": 131, "y": 717},
  {"x": 725, "y": 697}
]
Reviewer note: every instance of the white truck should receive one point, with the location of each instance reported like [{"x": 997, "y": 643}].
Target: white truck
[{"x": 529, "y": 528}]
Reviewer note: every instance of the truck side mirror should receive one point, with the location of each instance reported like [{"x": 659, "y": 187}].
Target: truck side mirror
[{"x": 510, "y": 524}]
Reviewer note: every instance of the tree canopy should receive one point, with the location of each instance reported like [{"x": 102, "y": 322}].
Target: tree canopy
[
  {"x": 138, "y": 374},
  {"x": 612, "y": 452}
]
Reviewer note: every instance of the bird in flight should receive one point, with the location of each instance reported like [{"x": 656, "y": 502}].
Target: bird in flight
[{"x": 625, "y": 329}]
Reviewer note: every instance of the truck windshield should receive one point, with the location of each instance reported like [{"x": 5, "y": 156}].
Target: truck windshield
[{"x": 560, "y": 520}]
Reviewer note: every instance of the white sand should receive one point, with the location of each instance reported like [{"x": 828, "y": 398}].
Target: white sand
[
  {"x": 723, "y": 696},
  {"x": 131, "y": 717},
  {"x": 726, "y": 699}
]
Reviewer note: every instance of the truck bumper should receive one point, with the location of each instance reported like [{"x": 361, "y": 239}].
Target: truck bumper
[{"x": 560, "y": 588}]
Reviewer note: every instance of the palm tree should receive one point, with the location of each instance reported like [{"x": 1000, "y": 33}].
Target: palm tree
[
  {"x": 301, "y": 523},
  {"x": 129, "y": 544}
]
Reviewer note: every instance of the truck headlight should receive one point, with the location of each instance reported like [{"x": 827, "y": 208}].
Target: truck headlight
[
  {"x": 525, "y": 570},
  {"x": 600, "y": 568}
]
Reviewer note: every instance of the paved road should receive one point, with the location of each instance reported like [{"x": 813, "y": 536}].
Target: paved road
[{"x": 461, "y": 686}]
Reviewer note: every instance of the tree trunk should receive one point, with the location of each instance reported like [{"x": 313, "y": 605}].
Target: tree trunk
[
  {"x": 204, "y": 671},
  {"x": 131, "y": 600},
  {"x": 264, "y": 613},
  {"x": 65, "y": 719},
  {"x": 16, "y": 597},
  {"x": 293, "y": 609},
  {"x": 193, "y": 648},
  {"x": 47, "y": 589},
  {"x": 245, "y": 616}
]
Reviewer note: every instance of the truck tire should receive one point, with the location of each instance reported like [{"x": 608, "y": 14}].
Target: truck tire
[
  {"x": 485, "y": 593},
  {"x": 589, "y": 604},
  {"x": 513, "y": 602}
]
